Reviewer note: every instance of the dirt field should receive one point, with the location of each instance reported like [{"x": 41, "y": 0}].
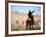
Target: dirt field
[{"x": 19, "y": 21}]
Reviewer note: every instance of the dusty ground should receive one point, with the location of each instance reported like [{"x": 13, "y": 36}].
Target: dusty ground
[{"x": 19, "y": 21}]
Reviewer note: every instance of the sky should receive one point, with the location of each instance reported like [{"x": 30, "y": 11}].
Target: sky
[{"x": 25, "y": 9}]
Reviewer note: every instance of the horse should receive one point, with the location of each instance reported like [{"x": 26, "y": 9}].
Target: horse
[{"x": 30, "y": 21}]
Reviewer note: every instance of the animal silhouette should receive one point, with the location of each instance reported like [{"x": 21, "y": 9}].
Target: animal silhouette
[{"x": 30, "y": 21}]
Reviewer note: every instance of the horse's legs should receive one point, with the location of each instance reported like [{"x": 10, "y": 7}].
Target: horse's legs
[
  {"x": 26, "y": 26},
  {"x": 30, "y": 27}
]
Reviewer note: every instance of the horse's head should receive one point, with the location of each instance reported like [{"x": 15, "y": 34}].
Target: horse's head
[{"x": 31, "y": 12}]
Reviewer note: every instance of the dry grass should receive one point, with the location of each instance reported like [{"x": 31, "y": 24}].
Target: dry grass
[{"x": 19, "y": 21}]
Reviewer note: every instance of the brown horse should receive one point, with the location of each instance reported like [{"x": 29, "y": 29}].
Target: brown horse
[{"x": 30, "y": 21}]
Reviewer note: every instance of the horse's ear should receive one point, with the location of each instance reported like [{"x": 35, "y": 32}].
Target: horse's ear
[
  {"x": 33, "y": 11},
  {"x": 30, "y": 12}
]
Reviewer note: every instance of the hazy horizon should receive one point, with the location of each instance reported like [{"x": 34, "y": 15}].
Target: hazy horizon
[{"x": 25, "y": 9}]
